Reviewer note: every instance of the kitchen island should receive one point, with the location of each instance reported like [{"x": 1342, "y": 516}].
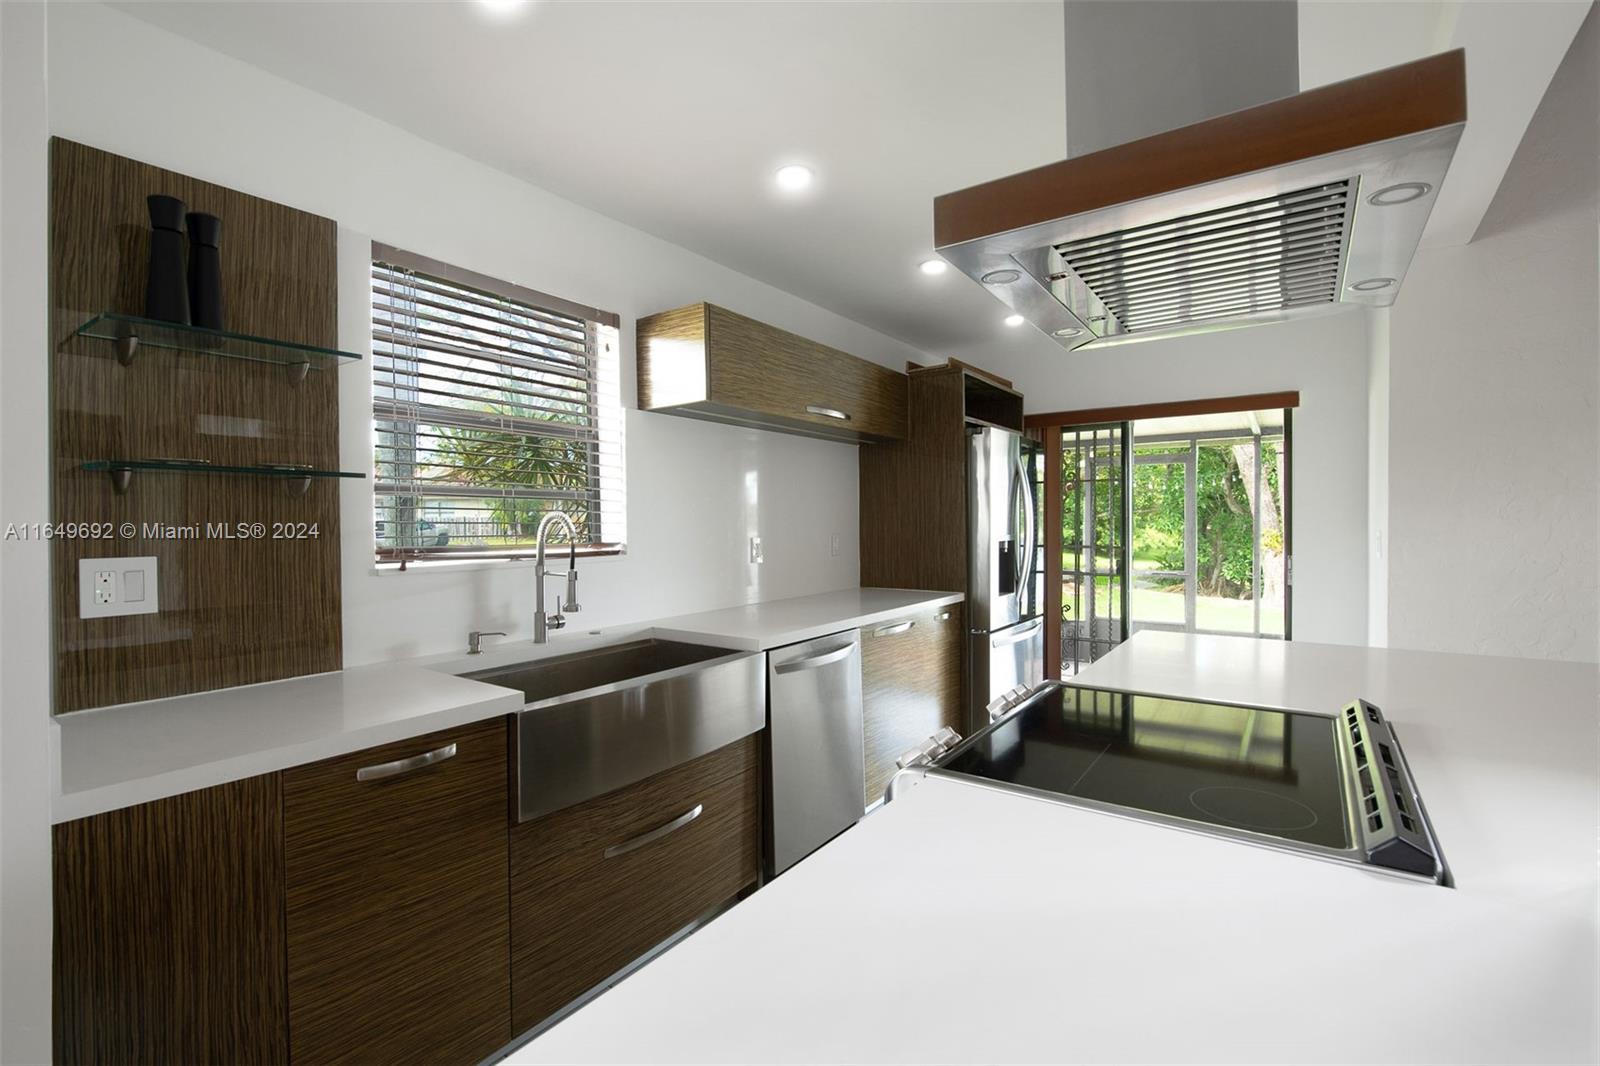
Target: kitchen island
[{"x": 959, "y": 924}]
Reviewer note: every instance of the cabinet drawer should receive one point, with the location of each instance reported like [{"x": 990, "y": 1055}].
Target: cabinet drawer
[
  {"x": 595, "y": 886},
  {"x": 910, "y": 686},
  {"x": 396, "y": 910}
]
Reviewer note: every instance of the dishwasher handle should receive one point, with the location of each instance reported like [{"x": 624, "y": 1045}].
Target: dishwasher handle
[{"x": 811, "y": 662}]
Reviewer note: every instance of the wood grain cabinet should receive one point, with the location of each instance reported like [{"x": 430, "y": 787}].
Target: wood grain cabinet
[
  {"x": 705, "y": 361},
  {"x": 396, "y": 901},
  {"x": 910, "y": 686},
  {"x": 595, "y": 886},
  {"x": 169, "y": 930}
]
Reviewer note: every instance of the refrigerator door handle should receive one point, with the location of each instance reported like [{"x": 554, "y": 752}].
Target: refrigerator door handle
[
  {"x": 1025, "y": 577},
  {"x": 1018, "y": 634}
]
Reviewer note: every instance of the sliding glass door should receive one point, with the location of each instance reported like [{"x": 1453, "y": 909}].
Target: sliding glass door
[
  {"x": 1178, "y": 523},
  {"x": 1210, "y": 525}
]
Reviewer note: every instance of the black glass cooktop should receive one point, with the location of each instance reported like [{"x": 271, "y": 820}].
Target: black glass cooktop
[{"x": 1242, "y": 768}]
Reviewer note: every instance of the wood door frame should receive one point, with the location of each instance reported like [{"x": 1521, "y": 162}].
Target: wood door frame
[
  {"x": 1216, "y": 405},
  {"x": 1050, "y": 515}
]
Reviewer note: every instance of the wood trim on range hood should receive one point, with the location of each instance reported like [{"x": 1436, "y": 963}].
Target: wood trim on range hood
[{"x": 1355, "y": 127}]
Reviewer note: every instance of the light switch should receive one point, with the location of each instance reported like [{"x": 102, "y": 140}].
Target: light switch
[{"x": 111, "y": 587}]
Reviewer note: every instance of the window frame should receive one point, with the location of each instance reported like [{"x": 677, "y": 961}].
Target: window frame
[{"x": 400, "y": 559}]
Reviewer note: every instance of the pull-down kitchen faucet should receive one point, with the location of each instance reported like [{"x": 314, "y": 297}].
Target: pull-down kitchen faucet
[{"x": 541, "y": 624}]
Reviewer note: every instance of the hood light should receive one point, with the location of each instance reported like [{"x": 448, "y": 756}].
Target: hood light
[
  {"x": 1014, "y": 320},
  {"x": 1068, "y": 332},
  {"x": 1000, "y": 277},
  {"x": 1402, "y": 193},
  {"x": 933, "y": 267},
  {"x": 1372, "y": 285}
]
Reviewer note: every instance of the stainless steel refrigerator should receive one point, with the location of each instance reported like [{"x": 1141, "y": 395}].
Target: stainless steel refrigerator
[{"x": 1005, "y": 641}]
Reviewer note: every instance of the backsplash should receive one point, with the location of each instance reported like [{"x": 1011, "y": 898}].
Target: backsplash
[{"x": 248, "y": 570}]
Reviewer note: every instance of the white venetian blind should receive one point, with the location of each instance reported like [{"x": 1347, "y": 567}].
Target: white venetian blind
[{"x": 492, "y": 405}]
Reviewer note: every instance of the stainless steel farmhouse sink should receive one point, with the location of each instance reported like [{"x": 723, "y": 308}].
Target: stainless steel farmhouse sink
[{"x": 597, "y": 720}]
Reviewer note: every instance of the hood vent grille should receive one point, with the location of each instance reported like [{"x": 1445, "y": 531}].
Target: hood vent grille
[{"x": 1272, "y": 254}]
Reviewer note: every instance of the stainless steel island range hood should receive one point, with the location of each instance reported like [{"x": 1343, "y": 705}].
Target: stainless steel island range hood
[{"x": 1294, "y": 207}]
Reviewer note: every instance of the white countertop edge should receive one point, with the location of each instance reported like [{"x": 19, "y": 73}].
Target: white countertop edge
[
  {"x": 766, "y": 641},
  {"x": 67, "y": 807}
]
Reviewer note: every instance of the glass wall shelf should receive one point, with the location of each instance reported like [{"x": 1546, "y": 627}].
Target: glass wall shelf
[
  {"x": 131, "y": 334},
  {"x": 298, "y": 477}
]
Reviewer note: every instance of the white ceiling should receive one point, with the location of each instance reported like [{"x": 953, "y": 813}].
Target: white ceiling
[{"x": 672, "y": 116}]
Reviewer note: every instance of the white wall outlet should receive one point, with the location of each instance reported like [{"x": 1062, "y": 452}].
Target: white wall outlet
[
  {"x": 111, "y": 587},
  {"x": 756, "y": 554}
]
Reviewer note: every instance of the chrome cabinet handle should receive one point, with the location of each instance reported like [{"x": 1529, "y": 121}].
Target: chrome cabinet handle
[
  {"x": 406, "y": 765},
  {"x": 892, "y": 628},
  {"x": 811, "y": 662},
  {"x": 657, "y": 833},
  {"x": 1023, "y": 632},
  {"x": 827, "y": 412}
]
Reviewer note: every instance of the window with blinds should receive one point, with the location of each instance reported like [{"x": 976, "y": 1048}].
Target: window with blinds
[{"x": 492, "y": 405}]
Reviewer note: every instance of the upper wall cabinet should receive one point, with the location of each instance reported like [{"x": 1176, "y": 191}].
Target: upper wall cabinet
[{"x": 704, "y": 361}]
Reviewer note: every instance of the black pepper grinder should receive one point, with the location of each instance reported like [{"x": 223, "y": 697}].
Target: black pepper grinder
[
  {"x": 205, "y": 270},
  {"x": 166, "y": 295}
]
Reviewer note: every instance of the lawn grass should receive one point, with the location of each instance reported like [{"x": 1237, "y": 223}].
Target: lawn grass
[{"x": 1213, "y": 613}]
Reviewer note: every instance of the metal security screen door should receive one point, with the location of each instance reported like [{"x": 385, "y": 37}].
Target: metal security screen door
[{"x": 1092, "y": 536}]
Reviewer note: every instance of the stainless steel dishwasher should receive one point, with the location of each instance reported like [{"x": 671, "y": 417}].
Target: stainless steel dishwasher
[{"x": 814, "y": 692}]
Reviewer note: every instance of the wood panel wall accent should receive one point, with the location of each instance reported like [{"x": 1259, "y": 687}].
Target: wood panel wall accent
[
  {"x": 704, "y": 361},
  {"x": 910, "y": 686},
  {"x": 1426, "y": 94},
  {"x": 913, "y": 508},
  {"x": 578, "y": 916},
  {"x": 232, "y": 612},
  {"x": 169, "y": 941},
  {"x": 397, "y": 904},
  {"x": 1216, "y": 405}
]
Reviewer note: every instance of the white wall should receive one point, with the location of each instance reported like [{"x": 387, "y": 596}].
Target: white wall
[
  {"x": 1494, "y": 389},
  {"x": 1378, "y": 477},
  {"x": 695, "y": 491},
  {"x": 1324, "y": 358},
  {"x": 24, "y": 566}
]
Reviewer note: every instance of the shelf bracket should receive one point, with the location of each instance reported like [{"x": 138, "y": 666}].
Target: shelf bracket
[
  {"x": 120, "y": 479},
  {"x": 298, "y": 371},
  {"x": 127, "y": 348},
  {"x": 298, "y": 486}
]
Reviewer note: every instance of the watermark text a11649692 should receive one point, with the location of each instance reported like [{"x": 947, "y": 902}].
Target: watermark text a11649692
[{"x": 24, "y": 531}]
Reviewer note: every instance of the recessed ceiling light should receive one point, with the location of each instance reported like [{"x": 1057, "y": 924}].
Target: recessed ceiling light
[
  {"x": 1000, "y": 277},
  {"x": 1402, "y": 193},
  {"x": 933, "y": 266},
  {"x": 1372, "y": 284},
  {"x": 794, "y": 177},
  {"x": 1067, "y": 332},
  {"x": 502, "y": 8},
  {"x": 1015, "y": 320}
]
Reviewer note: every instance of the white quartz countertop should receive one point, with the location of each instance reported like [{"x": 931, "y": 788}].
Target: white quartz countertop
[
  {"x": 775, "y": 623},
  {"x": 959, "y": 924},
  {"x": 118, "y": 756},
  {"x": 133, "y": 753}
]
